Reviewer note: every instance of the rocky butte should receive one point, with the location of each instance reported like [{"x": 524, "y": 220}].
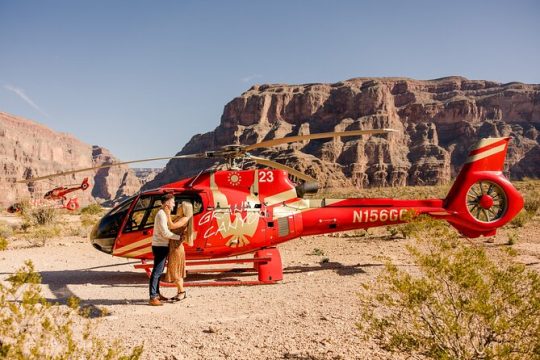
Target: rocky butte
[
  {"x": 437, "y": 121},
  {"x": 29, "y": 149}
]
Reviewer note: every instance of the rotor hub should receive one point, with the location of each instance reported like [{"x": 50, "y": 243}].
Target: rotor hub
[{"x": 486, "y": 202}]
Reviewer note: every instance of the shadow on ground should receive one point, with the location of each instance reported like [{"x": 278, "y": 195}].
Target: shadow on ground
[{"x": 58, "y": 281}]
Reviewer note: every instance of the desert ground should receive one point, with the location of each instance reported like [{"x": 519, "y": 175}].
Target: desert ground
[{"x": 311, "y": 314}]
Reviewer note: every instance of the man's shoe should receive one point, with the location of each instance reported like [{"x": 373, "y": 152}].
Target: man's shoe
[{"x": 155, "y": 302}]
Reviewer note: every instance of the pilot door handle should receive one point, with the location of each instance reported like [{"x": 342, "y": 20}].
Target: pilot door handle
[{"x": 146, "y": 232}]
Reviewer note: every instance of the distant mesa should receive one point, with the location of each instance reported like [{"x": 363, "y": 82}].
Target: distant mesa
[{"x": 438, "y": 120}]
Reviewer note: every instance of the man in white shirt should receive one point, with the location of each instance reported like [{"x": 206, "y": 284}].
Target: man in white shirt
[{"x": 160, "y": 248}]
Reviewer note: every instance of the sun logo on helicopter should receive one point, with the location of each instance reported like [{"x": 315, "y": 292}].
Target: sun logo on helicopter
[{"x": 234, "y": 178}]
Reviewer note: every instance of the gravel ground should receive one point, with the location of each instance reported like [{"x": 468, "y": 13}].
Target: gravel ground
[{"x": 311, "y": 314}]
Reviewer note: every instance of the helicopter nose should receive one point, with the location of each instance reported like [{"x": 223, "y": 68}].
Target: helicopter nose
[{"x": 102, "y": 243}]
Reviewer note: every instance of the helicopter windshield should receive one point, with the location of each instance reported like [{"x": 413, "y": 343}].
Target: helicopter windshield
[{"x": 105, "y": 231}]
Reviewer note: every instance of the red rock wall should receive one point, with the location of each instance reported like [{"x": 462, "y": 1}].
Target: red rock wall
[{"x": 438, "y": 120}]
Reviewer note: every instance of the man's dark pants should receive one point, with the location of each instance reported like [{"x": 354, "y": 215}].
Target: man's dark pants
[{"x": 160, "y": 255}]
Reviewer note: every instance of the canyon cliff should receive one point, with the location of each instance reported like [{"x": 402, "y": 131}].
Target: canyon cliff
[
  {"x": 436, "y": 121},
  {"x": 29, "y": 149}
]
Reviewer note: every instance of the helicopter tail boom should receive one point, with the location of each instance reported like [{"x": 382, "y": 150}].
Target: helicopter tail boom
[{"x": 482, "y": 199}]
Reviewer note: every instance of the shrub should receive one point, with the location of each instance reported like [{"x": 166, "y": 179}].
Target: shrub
[
  {"x": 88, "y": 220},
  {"x": 42, "y": 216},
  {"x": 532, "y": 203},
  {"x": 521, "y": 219},
  {"x": 3, "y": 243},
  {"x": 317, "y": 252},
  {"x": 393, "y": 231},
  {"x": 513, "y": 238},
  {"x": 24, "y": 206},
  {"x": 461, "y": 304},
  {"x": 416, "y": 225},
  {"x": 5, "y": 230},
  {"x": 32, "y": 328},
  {"x": 92, "y": 209},
  {"x": 38, "y": 235}
]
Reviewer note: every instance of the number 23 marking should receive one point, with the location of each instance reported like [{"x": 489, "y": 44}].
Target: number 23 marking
[{"x": 266, "y": 176}]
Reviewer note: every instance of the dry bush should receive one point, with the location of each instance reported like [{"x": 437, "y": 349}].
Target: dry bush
[
  {"x": 92, "y": 209},
  {"x": 6, "y": 230},
  {"x": 41, "y": 216},
  {"x": 89, "y": 220},
  {"x": 521, "y": 219},
  {"x": 513, "y": 238},
  {"x": 393, "y": 231},
  {"x": 32, "y": 328},
  {"x": 24, "y": 206},
  {"x": 532, "y": 203},
  {"x": 76, "y": 230},
  {"x": 39, "y": 235},
  {"x": 3, "y": 243},
  {"x": 460, "y": 302},
  {"x": 317, "y": 252}
]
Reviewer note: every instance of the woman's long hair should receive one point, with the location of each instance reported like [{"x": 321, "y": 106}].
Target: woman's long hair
[{"x": 187, "y": 208}]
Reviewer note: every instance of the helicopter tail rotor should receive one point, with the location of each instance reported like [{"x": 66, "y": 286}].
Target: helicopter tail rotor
[{"x": 482, "y": 199}]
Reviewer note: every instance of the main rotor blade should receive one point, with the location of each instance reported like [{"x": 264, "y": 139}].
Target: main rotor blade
[
  {"x": 276, "y": 165},
  {"x": 290, "y": 139},
  {"x": 199, "y": 155}
]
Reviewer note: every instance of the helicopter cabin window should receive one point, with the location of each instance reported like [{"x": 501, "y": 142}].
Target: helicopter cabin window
[{"x": 144, "y": 212}]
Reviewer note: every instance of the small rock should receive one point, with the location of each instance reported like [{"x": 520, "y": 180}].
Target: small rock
[
  {"x": 292, "y": 354},
  {"x": 211, "y": 330}
]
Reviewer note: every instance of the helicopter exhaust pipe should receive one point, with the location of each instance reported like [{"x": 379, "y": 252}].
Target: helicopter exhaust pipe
[
  {"x": 482, "y": 199},
  {"x": 307, "y": 187}
]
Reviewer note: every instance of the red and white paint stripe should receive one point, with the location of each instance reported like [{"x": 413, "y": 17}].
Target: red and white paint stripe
[{"x": 487, "y": 147}]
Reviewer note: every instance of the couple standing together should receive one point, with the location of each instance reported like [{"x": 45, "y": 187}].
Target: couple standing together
[{"x": 166, "y": 243}]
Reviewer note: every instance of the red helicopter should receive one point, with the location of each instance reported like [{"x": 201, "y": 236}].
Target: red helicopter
[
  {"x": 58, "y": 194},
  {"x": 239, "y": 212}
]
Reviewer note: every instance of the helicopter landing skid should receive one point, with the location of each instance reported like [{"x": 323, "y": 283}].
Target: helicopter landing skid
[{"x": 266, "y": 263}]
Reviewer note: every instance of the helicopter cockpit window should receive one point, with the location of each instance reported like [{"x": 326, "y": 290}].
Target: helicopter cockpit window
[
  {"x": 144, "y": 212},
  {"x": 110, "y": 224}
]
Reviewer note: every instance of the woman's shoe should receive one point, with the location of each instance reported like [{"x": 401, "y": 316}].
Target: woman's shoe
[{"x": 180, "y": 296}]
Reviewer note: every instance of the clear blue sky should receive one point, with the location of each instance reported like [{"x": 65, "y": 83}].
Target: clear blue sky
[{"x": 142, "y": 77}]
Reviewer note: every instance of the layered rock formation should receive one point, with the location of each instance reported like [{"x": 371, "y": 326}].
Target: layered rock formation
[
  {"x": 147, "y": 174},
  {"x": 437, "y": 121},
  {"x": 29, "y": 149}
]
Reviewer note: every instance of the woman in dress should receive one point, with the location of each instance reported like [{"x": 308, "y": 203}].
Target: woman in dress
[{"x": 176, "y": 266}]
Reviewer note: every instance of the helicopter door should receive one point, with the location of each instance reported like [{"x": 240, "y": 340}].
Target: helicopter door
[
  {"x": 197, "y": 200},
  {"x": 135, "y": 239}
]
